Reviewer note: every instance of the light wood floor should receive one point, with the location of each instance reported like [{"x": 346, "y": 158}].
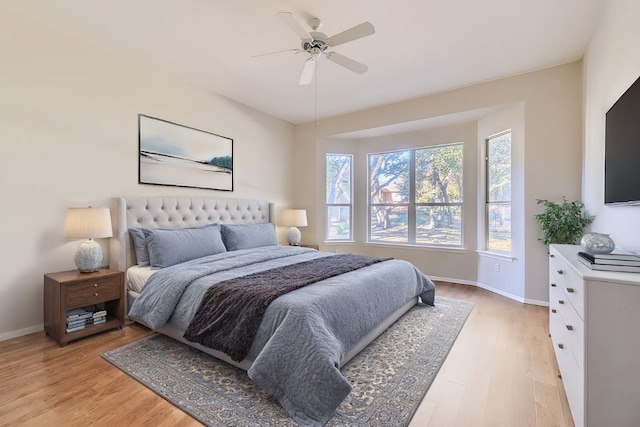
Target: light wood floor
[{"x": 500, "y": 372}]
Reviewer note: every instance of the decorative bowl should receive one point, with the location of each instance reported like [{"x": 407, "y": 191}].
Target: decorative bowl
[{"x": 597, "y": 243}]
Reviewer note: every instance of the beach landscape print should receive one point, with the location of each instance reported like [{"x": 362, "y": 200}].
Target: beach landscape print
[{"x": 176, "y": 155}]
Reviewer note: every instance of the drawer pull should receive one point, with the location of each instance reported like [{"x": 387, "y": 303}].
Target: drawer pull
[
  {"x": 553, "y": 310},
  {"x": 95, "y": 285},
  {"x": 569, "y": 328},
  {"x": 560, "y": 272},
  {"x": 553, "y": 285},
  {"x": 96, "y": 294},
  {"x": 560, "y": 345},
  {"x": 560, "y": 301},
  {"x": 571, "y": 290}
]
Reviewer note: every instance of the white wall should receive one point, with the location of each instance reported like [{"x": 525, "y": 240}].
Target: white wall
[
  {"x": 552, "y": 101},
  {"x": 68, "y": 138},
  {"x": 611, "y": 65}
]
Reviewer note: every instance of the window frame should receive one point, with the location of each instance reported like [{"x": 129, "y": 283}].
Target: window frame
[
  {"x": 350, "y": 205},
  {"x": 412, "y": 205},
  {"x": 487, "y": 202}
]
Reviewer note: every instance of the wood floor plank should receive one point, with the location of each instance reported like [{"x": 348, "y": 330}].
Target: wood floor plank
[
  {"x": 500, "y": 372},
  {"x": 446, "y": 411},
  {"x": 548, "y": 406}
]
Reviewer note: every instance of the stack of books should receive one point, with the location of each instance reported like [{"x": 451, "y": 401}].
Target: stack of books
[
  {"x": 618, "y": 260},
  {"x": 80, "y": 318}
]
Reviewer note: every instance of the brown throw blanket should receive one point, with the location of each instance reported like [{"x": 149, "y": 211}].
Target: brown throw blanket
[{"x": 231, "y": 311}]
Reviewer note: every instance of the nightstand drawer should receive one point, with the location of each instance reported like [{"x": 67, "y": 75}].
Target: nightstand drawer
[{"x": 93, "y": 292}]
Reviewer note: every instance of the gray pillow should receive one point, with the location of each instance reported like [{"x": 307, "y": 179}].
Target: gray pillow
[
  {"x": 247, "y": 236},
  {"x": 139, "y": 237},
  {"x": 175, "y": 245}
]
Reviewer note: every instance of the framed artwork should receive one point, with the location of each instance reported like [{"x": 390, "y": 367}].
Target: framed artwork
[{"x": 176, "y": 155}]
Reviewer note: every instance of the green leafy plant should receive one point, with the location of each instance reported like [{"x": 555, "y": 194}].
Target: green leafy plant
[{"x": 562, "y": 222}]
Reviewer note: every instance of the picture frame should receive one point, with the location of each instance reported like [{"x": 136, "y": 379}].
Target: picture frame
[{"x": 181, "y": 156}]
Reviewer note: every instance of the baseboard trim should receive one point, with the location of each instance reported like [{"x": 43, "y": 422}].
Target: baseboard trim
[
  {"x": 20, "y": 332},
  {"x": 492, "y": 289},
  {"x": 536, "y": 302}
]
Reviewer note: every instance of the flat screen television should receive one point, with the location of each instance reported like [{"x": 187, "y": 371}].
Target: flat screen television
[{"x": 622, "y": 149}]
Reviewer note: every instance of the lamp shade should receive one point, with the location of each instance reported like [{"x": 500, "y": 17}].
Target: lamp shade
[
  {"x": 294, "y": 218},
  {"x": 88, "y": 223}
]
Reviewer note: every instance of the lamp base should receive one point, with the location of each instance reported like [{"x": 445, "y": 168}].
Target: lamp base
[
  {"x": 294, "y": 236},
  {"x": 89, "y": 257}
]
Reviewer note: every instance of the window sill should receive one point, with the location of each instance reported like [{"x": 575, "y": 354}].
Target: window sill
[
  {"x": 418, "y": 247},
  {"x": 338, "y": 242},
  {"x": 496, "y": 255}
]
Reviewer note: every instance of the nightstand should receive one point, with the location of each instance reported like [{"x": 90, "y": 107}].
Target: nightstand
[
  {"x": 310, "y": 246},
  {"x": 66, "y": 290}
]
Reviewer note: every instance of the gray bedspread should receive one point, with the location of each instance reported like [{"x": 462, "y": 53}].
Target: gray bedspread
[
  {"x": 231, "y": 312},
  {"x": 304, "y": 335}
]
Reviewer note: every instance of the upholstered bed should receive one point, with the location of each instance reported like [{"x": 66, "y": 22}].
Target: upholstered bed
[{"x": 265, "y": 363}]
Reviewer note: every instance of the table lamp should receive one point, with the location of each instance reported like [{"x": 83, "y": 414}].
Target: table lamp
[
  {"x": 294, "y": 218},
  {"x": 88, "y": 223}
]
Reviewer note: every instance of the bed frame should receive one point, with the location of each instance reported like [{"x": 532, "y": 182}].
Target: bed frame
[{"x": 184, "y": 211}]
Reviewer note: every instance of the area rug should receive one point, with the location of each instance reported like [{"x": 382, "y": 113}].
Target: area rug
[{"x": 389, "y": 377}]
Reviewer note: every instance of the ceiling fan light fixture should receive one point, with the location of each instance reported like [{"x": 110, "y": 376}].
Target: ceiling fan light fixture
[{"x": 315, "y": 24}]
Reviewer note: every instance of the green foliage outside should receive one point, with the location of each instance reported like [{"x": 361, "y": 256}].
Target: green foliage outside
[
  {"x": 499, "y": 193},
  {"x": 437, "y": 174},
  {"x": 499, "y": 165},
  {"x": 338, "y": 192},
  {"x": 338, "y": 185},
  {"x": 562, "y": 222}
]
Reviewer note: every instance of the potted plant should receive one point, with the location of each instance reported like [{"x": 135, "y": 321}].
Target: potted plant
[{"x": 562, "y": 222}]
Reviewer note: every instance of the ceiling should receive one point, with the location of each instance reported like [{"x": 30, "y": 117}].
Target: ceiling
[{"x": 419, "y": 47}]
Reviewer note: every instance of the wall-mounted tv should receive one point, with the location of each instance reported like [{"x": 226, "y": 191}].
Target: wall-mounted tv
[{"x": 622, "y": 149}]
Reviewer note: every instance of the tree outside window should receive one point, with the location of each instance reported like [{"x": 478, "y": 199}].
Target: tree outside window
[
  {"x": 416, "y": 196},
  {"x": 498, "y": 193},
  {"x": 338, "y": 197}
]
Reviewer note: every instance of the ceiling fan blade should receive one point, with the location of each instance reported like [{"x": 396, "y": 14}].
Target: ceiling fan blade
[
  {"x": 307, "y": 71},
  {"x": 290, "y": 20},
  {"x": 351, "y": 64},
  {"x": 354, "y": 33},
  {"x": 296, "y": 51}
]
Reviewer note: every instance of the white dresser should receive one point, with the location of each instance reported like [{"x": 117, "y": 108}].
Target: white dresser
[{"x": 594, "y": 321}]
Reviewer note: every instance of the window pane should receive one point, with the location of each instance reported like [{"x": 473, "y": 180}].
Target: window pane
[
  {"x": 499, "y": 168},
  {"x": 439, "y": 174},
  {"x": 338, "y": 223},
  {"x": 439, "y": 225},
  {"x": 338, "y": 179},
  {"x": 389, "y": 224},
  {"x": 389, "y": 175},
  {"x": 499, "y": 216}
]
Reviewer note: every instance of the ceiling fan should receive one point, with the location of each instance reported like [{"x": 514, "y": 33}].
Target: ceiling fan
[{"x": 315, "y": 43}]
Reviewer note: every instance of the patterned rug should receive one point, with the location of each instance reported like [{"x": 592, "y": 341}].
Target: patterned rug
[{"x": 389, "y": 377}]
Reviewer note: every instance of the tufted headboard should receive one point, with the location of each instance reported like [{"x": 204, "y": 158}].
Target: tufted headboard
[{"x": 176, "y": 212}]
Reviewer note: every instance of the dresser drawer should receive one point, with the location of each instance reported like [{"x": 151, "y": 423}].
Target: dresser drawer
[
  {"x": 573, "y": 381},
  {"x": 573, "y": 328},
  {"x": 562, "y": 275},
  {"x": 556, "y": 327},
  {"x": 92, "y": 292}
]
